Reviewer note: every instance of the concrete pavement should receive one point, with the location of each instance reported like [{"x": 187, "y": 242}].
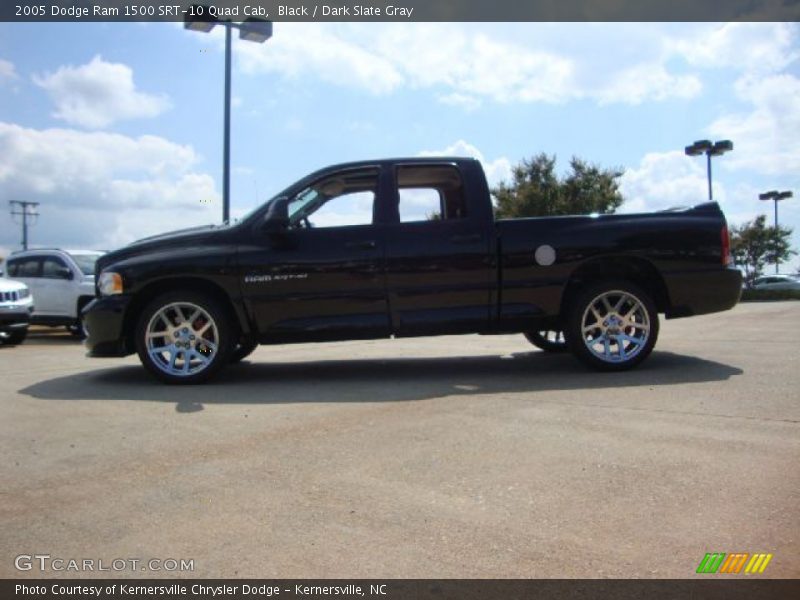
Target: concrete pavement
[{"x": 435, "y": 457}]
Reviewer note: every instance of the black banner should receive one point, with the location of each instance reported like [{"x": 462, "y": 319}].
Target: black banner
[
  {"x": 392, "y": 589},
  {"x": 402, "y": 10}
]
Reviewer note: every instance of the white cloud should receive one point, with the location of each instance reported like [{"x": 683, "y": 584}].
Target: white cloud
[
  {"x": 648, "y": 82},
  {"x": 751, "y": 47},
  {"x": 468, "y": 103},
  {"x": 102, "y": 189},
  {"x": 496, "y": 171},
  {"x": 465, "y": 67},
  {"x": 7, "y": 70},
  {"x": 98, "y": 93},
  {"x": 303, "y": 48},
  {"x": 665, "y": 180},
  {"x": 766, "y": 139}
]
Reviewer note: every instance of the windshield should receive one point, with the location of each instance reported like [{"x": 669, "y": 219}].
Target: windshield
[{"x": 85, "y": 262}]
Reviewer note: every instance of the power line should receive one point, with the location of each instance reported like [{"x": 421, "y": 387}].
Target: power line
[{"x": 26, "y": 209}]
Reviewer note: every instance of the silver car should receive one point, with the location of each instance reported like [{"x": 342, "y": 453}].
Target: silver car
[{"x": 777, "y": 282}]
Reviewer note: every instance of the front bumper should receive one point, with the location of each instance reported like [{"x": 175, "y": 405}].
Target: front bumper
[
  {"x": 703, "y": 292},
  {"x": 14, "y": 320},
  {"x": 104, "y": 319}
]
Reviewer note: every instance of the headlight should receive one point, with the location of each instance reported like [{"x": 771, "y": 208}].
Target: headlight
[
  {"x": 24, "y": 293},
  {"x": 110, "y": 283}
]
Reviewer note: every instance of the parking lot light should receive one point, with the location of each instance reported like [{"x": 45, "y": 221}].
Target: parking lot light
[
  {"x": 253, "y": 29},
  {"x": 710, "y": 149}
]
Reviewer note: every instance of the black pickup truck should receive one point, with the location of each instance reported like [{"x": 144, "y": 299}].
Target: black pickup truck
[{"x": 406, "y": 247}]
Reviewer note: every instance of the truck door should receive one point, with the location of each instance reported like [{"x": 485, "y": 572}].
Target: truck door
[
  {"x": 58, "y": 288},
  {"x": 322, "y": 279},
  {"x": 438, "y": 253}
]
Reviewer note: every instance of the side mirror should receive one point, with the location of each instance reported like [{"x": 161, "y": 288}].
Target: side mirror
[{"x": 277, "y": 218}]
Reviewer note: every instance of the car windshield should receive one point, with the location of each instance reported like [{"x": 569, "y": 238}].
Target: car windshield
[{"x": 85, "y": 262}]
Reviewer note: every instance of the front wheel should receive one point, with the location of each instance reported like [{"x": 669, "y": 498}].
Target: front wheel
[
  {"x": 612, "y": 326},
  {"x": 15, "y": 337},
  {"x": 184, "y": 337}
]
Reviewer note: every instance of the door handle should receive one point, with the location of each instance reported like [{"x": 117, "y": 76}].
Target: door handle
[
  {"x": 466, "y": 239},
  {"x": 368, "y": 245}
]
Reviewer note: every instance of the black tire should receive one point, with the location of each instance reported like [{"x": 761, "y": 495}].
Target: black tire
[
  {"x": 15, "y": 337},
  {"x": 77, "y": 330},
  {"x": 242, "y": 350},
  {"x": 184, "y": 325},
  {"x": 549, "y": 340},
  {"x": 627, "y": 325}
]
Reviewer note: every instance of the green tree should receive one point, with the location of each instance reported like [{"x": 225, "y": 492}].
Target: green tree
[
  {"x": 754, "y": 245},
  {"x": 536, "y": 190}
]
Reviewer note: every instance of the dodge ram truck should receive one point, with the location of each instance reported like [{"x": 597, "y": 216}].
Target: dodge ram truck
[{"x": 406, "y": 247}]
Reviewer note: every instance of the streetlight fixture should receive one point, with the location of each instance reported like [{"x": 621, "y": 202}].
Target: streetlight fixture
[
  {"x": 709, "y": 149},
  {"x": 776, "y": 197},
  {"x": 252, "y": 29}
]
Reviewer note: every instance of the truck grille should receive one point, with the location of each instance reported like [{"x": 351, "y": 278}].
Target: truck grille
[{"x": 9, "y": 296}]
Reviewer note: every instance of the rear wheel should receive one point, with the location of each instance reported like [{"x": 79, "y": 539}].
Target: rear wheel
[
  {"x": 184, "y": 337},
  {"x": 549, "y": 340},
  {"x": 612, "y": 326}
]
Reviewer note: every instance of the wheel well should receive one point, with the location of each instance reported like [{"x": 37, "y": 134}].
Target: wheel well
[
  {"x": 636, "y": 270},
  {"x": 150, "y": 291}
]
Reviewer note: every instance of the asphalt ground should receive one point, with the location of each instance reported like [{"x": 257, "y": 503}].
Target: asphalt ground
[{"x": 446, "y": 457}]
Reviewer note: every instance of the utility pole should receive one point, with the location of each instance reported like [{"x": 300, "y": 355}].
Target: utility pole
[{"x": 24, "y": 209}]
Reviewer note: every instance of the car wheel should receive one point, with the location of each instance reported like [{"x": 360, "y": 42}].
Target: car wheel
[
  {"x": 549, "y": 340},
  {"x": 242, "y": 350},
  {"x": 184, "y": 337},
  {"x": 13, "y": 338},
  {"x": 78, "y": 329},
  {"x": 612, "y": 326}
]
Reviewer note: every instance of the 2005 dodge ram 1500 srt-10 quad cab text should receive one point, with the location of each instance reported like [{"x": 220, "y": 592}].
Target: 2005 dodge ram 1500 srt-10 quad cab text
[{"x": 406, "y": 247}]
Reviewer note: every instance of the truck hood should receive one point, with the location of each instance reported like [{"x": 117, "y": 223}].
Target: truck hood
[
  {"x": 178, "y": 234},
  {"x": 206, "y": 235}
]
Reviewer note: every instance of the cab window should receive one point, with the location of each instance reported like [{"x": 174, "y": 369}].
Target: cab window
[
  {"x": 430, "y": 193},
  {"x": 338, "y": 200}
]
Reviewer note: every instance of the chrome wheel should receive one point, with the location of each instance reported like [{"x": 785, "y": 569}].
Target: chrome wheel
[
  {"x": 615, "y": 327},
  {"x": 182, "y": 339}
]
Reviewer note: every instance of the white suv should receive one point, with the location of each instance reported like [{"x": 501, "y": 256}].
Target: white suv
[
  {"x": 16, "y": 307},
  {"x": 61, "y": 282}
]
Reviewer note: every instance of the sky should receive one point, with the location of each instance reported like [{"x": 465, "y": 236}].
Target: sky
[{"x": 116, "y": 128}]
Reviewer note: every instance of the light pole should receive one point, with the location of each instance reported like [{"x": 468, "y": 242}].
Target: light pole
[
  {"x": 252, "y": 29},
  {"x": 709, "y": 149},
  {"x": 776, "y": 196}
]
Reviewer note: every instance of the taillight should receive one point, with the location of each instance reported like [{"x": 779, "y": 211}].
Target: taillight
[{"x": 727, "y": 259}]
